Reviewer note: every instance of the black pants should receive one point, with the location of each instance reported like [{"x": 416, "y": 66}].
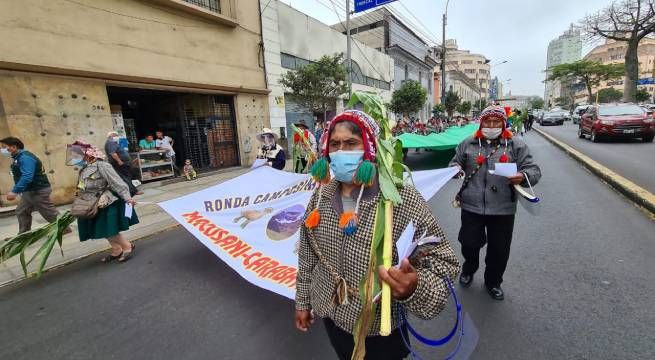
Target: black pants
[
  {"x": 125, "y": 172},
  {"x": 493, "y": 230},
  {"x": 389, "y": 347},
  {"x": 300, "y": 165}
]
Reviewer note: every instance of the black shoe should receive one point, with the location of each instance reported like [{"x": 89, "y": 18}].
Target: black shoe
[
  {"x": 465, "y": 280},
  {"x": 496, "y": 293}
]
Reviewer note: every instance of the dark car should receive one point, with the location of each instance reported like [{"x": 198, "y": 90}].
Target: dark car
[
  {"x": 616, "y": 121},
  {"x": 553, "y": 118}
]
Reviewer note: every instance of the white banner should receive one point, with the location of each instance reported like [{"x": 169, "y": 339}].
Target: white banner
[{"x": 251, "y": 222}]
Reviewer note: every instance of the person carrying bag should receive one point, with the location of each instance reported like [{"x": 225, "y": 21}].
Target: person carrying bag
[{"x": 101, "y": 201}]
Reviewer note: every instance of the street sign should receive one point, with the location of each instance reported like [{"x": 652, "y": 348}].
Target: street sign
[
  {"x": 362, "y": 5},
  {"x": 646, "y": 81}
]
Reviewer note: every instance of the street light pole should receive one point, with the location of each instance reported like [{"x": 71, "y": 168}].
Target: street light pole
[{"x": 443, "y": 55}]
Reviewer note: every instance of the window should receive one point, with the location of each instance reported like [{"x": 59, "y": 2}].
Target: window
[
  {"x": 288, "y": 61},
  {"x": 467, "y": 62},
  {"x": 211, "y": 5},
  {"x": 406, "y": 72},
  {"x": 469, "y": 71},
  {"x": 420, "y": 77}
]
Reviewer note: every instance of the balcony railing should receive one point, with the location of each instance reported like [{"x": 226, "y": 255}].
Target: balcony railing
[
  {"x": 222, "y": 11},
  {"x": 211, "y": 5}
]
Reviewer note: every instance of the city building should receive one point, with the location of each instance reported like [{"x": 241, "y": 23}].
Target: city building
[
  {"x": 78, "y": 69},
  {"x": 463, "y": 86},
  {"x": 495, "y": 89},
  {"x": 413, "y": 58},
  {"x": 475, "y": 66},
  {"x": 516, "y": 101},
  {"x": 567, "y": 48},
  {"x": 613, "y": 52},
  {"x": 293, "y": 39}
]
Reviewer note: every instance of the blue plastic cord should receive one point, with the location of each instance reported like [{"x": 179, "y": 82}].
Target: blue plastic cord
[{"x": 459, "y": 322}]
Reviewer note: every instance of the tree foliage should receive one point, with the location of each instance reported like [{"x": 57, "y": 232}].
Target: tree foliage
[
  {"x": 438, "y": 109},
  {"x": 319, "y": 84},
  {"x": 588, "y": 72},
  {"x": 626, "y": 21},
  {"x": 409, "y": 99},
  {"x": 480, "y": 104},
  {"x": 464, "y": 108},
  {"x": 642, "y": 95},
  {"x": 536, "y": 102},
  {"x": 452, "y": 101},
  {"x": 609, "y": 95}
]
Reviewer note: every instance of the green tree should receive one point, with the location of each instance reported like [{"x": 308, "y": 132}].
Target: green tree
[
  {"x": 438, "y": 109},
  {"x": 464, "y": 108},
  {"x": 642, "y": 95},
  {"x": 409, "y": 99},
  {"x": 590, "y": 73},
  {"x": 452, "y": 101},
  {"x": 319, "y": 84},
  {"x": 608, "y": 95},
  {"x": 480, "y": 104},
  {"x": 626, "y": 21},
  {"x": 536, "y": 102}
]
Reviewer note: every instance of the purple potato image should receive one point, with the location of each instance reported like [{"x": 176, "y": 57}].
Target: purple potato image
[{"x": 285, "y": 223}]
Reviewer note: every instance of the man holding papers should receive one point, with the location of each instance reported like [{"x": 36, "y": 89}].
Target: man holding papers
[{"x": 492, "y": 161}]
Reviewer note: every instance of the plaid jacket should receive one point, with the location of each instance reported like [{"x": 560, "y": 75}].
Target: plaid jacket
[{"x": 349, "y": 255}]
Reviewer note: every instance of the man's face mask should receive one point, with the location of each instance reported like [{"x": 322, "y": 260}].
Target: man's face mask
[
  {"x": 345, "y": 163},
  {"x": 491, "y": 133}
]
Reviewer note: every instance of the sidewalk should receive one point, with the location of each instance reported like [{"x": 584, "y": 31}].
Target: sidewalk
[{"x": 152, "y": 220}]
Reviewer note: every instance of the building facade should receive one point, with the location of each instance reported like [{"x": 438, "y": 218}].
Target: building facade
[
  {"x": 613, "y": 52},
  {"x": 192, "y": 68},
  {"x": 463, "y": 86},
  {"x": 567, "y": 48},
  {"x": 413, "y": 58},
  {"x": 293, "y": 39},
  {"x": 475, "y": 66}
]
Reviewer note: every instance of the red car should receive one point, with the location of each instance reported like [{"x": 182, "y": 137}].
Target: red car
[{"x": 616, "y": 121}]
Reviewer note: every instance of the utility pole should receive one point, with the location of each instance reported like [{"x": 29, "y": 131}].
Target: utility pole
[
  {"x": 443, "y": 59},
  {"x": 348, "y": 54}
]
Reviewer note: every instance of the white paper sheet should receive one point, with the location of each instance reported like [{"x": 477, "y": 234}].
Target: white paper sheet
[
  {"x": 128, "y": 211},
  {"x": 505, "y": 169}
]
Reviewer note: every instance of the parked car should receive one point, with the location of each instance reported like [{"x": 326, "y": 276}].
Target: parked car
[
  {"x": 616, "y": 120},
  {"x": 553, "y": 118},
  {"x": 578, "y": 111}
]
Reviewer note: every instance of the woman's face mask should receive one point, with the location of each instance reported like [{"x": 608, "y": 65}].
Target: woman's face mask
[
  {"x": 344, "y": 164},
  {"x": 5, "y": 152}
]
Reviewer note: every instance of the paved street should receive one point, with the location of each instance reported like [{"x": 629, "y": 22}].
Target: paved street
[
  {"x": 578, "y": 286},
  {"x": 630, "y": 158}
]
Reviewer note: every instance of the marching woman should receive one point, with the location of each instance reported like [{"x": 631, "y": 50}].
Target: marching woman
[
  {"x": 98, "y": 178},
  {"x": 488, "y": 202},
  {"x": 270, "y": 150},
  {"x": 335, "y": 246}
]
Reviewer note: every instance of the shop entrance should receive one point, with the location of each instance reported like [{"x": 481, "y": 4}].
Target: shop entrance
[{"x": 203, "y": 127}]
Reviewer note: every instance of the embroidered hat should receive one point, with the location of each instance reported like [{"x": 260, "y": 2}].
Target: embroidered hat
[
  {"x": 366, "y": 171},
  {"x": 89, "y": 150}
]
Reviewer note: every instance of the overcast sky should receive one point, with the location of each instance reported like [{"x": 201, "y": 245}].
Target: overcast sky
[{"x": 514, "y": 30}]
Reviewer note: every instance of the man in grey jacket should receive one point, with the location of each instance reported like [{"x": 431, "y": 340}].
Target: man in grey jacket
[{"x": 488, "y": 201}]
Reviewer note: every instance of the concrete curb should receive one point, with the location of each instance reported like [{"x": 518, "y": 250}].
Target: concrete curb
[{"x": 640, "y": 196}]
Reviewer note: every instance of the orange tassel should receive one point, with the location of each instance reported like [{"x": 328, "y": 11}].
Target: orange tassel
[
  {"x": 313, "y": 219},
  {"x": 348, "y": 222}
]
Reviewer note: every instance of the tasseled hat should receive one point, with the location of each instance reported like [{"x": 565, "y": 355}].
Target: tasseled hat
[
  {"x": 496, "y": 113},
  {"x": 365, "y": 174}
]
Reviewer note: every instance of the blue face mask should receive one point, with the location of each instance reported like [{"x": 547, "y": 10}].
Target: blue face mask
[
  {"x": 80, "y": 163},
  {"x": 345, "y": 163}
]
